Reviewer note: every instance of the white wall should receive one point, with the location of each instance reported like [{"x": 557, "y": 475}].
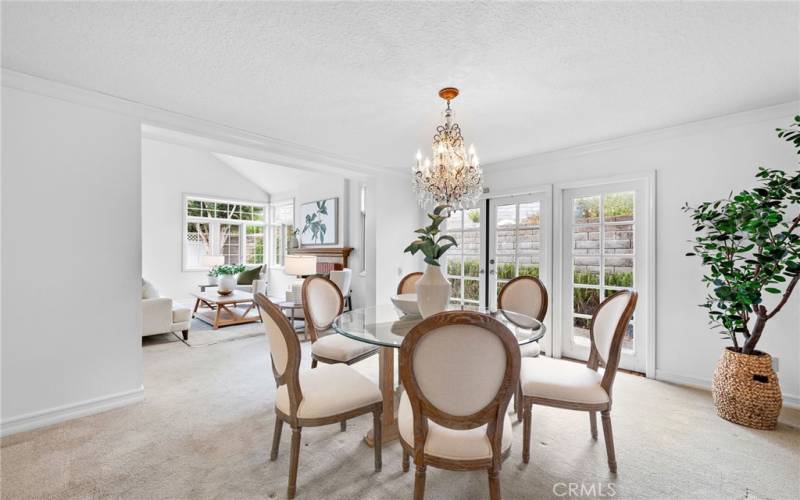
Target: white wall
[
  {"x": 397, "y": 215},
  {"x": 698, "y": 162},
  {"x": 71, "y": 289},
  {"x": 168, "y": 172}
]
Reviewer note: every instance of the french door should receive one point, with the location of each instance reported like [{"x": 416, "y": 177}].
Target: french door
[
  {"x": 518, "y": 243},
  {"x": 604, "y": 238},
  {"x": 464, "y": 263}
]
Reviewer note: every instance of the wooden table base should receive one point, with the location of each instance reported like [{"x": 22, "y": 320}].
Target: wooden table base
[{"x": 391, "y": 398}]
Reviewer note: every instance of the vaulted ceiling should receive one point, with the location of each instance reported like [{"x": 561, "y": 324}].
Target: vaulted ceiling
[{"x": 360, "y": 79}]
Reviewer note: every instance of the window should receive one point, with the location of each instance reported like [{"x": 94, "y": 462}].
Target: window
[
  {"x": 222, "y": 227},
  {"x": 281, "y": 231}
]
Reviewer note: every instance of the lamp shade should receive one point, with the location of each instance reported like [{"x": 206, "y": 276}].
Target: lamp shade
[
  {"x": 300, "y": 265},
  {"x": 212, "y": 260}
]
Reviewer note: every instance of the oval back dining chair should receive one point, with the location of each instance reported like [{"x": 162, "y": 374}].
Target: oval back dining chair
[
  {"x": 409, "y": 283},
  {"x": 320, "y": 397},
  {"x": 459, "y": 370},
  {"x": 524, "y": 295},
  {"x": 575, "y": 386},
  {"x": 322, "y": 303}
]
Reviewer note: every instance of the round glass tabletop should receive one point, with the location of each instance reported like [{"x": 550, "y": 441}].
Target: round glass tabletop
[{"x": 384, "y": 325}]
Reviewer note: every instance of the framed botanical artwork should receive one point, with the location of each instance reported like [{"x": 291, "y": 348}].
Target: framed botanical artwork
[{"x": 319, "y": 222}]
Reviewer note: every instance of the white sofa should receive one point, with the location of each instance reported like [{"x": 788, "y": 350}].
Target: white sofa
[{"x": 162, "y": 315}]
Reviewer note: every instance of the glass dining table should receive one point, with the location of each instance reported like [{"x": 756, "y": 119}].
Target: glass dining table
[{"x": 386, "y": 327}]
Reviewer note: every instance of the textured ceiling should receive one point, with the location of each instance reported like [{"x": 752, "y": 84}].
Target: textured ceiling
[{"x": 360, "y": 80}]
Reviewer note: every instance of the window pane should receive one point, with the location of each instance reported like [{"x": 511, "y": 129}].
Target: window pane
[
  {"x": 585, "y": 300},
  {"x": 586, "y": 210},
  {"x": 254, "y": 248},
  {"x": 619, "y": 271},
  {"x": 618, "y": 238},
  {"x": 528, "y": 265},
  {"x": 472, "y": 264},
  {"x": 277, "y": 245},
  {"x": 229, "y": 238},
  {"x": 618, "y": 207},
  {"x": 586, "y": 270},
  {"x": 500, "y": 285},
  {"x": 197, "y": 243},
  {"x": 472, "y": 290},
  {"x": 507, "y": 215},
  {"x": 454, "y": 221},
  {"x": 586, "y": 240}
]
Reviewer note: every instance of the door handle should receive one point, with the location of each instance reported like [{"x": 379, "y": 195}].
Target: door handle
[{"x": 481, "y": 271}]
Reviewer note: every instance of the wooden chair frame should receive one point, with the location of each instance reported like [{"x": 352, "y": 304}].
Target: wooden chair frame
[
  {"x": 313, "y": 329},
  {"x": 492, "y": 414},
  {"x": 291, "y": 378},
  {"x": 405, "y": 278},
  {"x": 594, "y": 362},
  {"x": 540, "y": 316}
]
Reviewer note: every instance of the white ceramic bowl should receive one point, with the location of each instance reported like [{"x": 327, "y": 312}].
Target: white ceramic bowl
[{"x": 406, "y": 303}]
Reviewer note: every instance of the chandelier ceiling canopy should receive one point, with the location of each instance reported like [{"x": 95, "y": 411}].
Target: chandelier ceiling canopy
[{"x": 453, "y": 176}]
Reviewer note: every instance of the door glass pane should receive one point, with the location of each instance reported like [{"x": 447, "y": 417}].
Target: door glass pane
[
  {"x": 580, "y": 330},
  {"x": 619, "y": 271},
  {"x": 618, "y": 207},
  {"x": 586, "y": 270},
  {"x": 618, "y": 239},
  {"x": 453, "y": 265},
  {"x": 504, "y": 265},
  {"x": 586, "y": 240},
  {"x": 585, "y": 300},
  {"x": 472, "y": 290},
  {"x": 472, "y": 265},
  {"x": 528, "y": 265},
  {"x": 455, "y": 290}
]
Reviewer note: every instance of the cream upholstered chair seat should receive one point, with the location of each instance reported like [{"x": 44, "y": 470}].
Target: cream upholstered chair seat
[
  {"x": 549, "y": 378},
  {"x": 340, "y": 348},
  {"x": 454, "y": 444},
  {"x": 330, "y": 390}
]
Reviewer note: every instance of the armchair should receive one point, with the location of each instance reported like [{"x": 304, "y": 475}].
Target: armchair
[{"x": 162, "y": 315}]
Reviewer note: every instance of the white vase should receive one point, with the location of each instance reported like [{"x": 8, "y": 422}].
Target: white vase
[
  {"x": 227, "y": 282},
  {"x": 433, "y": 291}
]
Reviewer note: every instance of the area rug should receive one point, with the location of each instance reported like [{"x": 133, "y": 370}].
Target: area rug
[{"x": 202, "y": 334}]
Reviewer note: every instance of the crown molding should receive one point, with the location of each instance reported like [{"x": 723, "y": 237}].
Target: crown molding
[
  {"x": 724, "y": 121},
  {"x": 163, "y": 124}
]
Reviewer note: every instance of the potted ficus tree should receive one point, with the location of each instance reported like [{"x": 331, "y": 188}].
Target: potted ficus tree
[
  {"x": 433, "y": 289},
  {"x": 750, "y": 246}
]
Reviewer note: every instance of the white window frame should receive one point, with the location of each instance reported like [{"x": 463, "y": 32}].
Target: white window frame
[
  {"x": 363, "y": 236},
  {"x": 271, "y": 225},
  {"x": 645, "y": 309},
  {"x": 214, "y": 224}
]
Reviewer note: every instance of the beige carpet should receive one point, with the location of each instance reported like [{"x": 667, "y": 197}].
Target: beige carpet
[{"x": 205, "y": 428}]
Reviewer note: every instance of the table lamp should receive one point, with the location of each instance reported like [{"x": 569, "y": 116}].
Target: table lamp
[{"x": 300, "y": 266}]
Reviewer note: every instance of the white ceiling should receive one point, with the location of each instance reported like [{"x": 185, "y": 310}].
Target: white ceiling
[
  {"x": 273, "y": 179},
  {"x": 360, "y": 80}
]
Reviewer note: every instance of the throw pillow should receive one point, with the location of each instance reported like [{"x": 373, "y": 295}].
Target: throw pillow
[
  {"x": 247, "y": 277},
  {"x": 148, "y": 290}
]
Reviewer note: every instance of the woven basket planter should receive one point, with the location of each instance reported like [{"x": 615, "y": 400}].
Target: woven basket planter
[{"x": 746, "y": 389}]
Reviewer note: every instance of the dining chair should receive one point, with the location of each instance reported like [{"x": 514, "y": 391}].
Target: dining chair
[
  {"x": 459, "y": 370},
  {"x": 344, "y": 279},
  {"x": 408, "y": 283},
  {"x": 524, "y": 295},
  {"x": 322, "y": 303},
  {"x": 325, "y": 396},
  {"x": 575, "y": 386}
]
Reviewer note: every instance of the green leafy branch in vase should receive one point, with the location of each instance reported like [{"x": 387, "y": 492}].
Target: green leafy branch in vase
[
  {"x": 750, "y": 245},
  {"x": 227, "y": 269},
  {"x": 428, "y": 242},
  {"x": 315, "y": 224}
]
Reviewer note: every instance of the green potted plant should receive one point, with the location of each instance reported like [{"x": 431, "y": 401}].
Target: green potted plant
[
  {"x": 227, "y": 277},
  {"x": 433, "y": 289},
  {"x": 750, "y": 247}
]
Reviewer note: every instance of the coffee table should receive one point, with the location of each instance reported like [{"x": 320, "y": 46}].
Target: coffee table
[{"x": 222, "y": 310}]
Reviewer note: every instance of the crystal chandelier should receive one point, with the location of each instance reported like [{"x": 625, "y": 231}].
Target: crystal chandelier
[{"x": 454, "y": 177}]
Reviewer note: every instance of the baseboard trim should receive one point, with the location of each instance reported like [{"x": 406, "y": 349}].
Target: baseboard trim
[
  {"x": 58, "y": 414},
  {"x": 789, "y": 400}
]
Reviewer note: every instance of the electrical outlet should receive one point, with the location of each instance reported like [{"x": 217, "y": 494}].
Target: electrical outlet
[{"x": 775, "y": 363}]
